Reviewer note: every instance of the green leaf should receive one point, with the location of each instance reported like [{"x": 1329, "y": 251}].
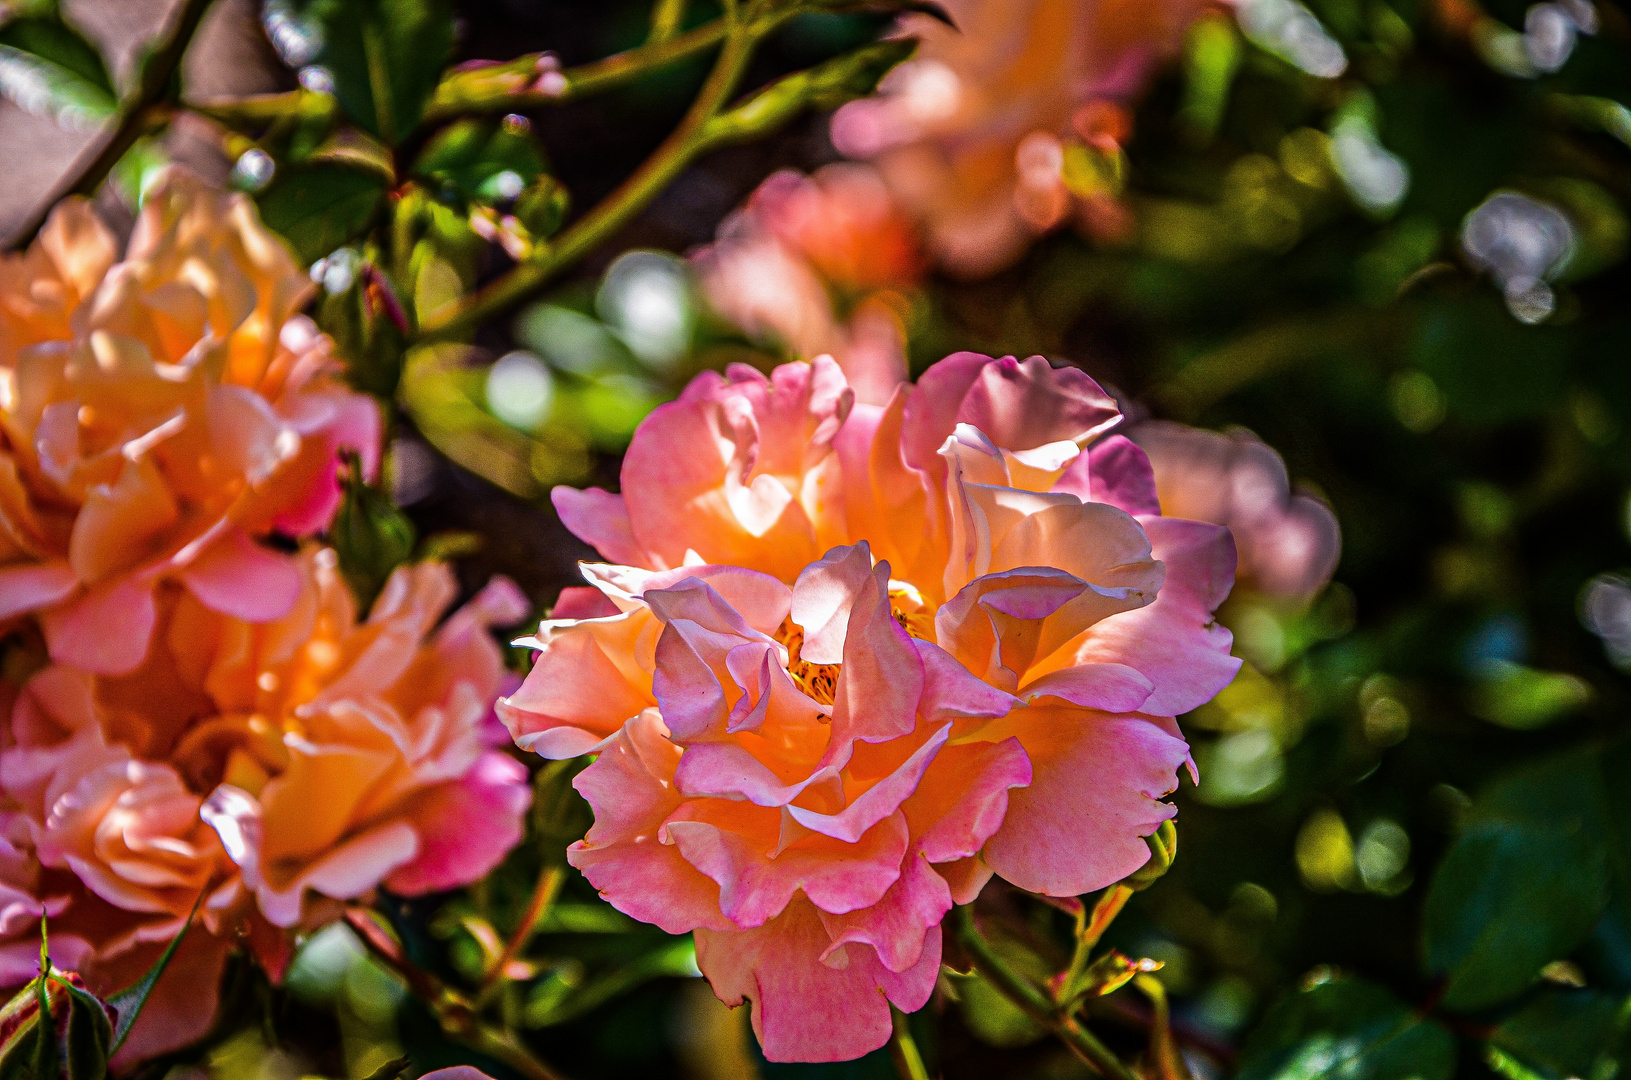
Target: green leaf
[
  {"x": 48, "y": 69},
  {"x": 360, "y": 151},
  {"x": 1522, "y": 885},
  {"x": 319, "y": 208},
  {"x": 1562, "y": 1033},
  {"x": 129, "y": 1002},
  {"x": 386, "y": 57},
  {"x": 1348, "y": 1028},
  {"x": 482, "y": 160}
]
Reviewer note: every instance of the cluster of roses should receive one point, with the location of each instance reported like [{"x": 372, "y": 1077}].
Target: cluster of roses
[{"x": 195, "y": 707}]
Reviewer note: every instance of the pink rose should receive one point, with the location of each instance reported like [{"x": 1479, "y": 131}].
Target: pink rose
[{"x": 859, "y": 658}]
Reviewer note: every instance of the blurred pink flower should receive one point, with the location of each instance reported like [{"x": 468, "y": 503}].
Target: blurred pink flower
[
  {"x": 181, "y": 413},
  {"x": 274, "y": 768},
  {"x": 857, "y": 659},
  {"x": 812, "y": 262},
  {"x": 972, "y": 133},
  {"x": 1289, "y": 542}
]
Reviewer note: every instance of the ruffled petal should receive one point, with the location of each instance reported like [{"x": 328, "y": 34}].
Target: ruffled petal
[
  {"x": 465, "y": 827},
  {"x": 1095, "y": 792},
  {"x": 806, "y": 1008}
]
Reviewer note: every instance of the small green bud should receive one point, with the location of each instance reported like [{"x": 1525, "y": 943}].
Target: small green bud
[
  {"x": 1163, "y": 844},
  {"x": 76, "y": 1024}
]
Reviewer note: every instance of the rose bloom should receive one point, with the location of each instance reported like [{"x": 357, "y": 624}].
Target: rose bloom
[
  {"x": 848, "y": 661},
  {"x": 275, "y": 769},
  {"x": 1289, "y": 542},
  {"x": 815, "y": 263},
  {"x": 971, "y": 132},
  {"x": 159, "y": 417}
]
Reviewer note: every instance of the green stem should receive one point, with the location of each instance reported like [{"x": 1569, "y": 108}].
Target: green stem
[
  {"x": 1031, "y": 1000},
  {"x": 667, "y": 162},
  {"x": 457, "y": 1014},
  {"x": 1090, "y": 927},
  {"x": 903, "y": 1049},
  {"x": 666, "y": 16},
  {"x": 507, "y": 87},
  {"x": 543, "y": 897},
  {"x": 141, "y": 113},
  {"x": 513, "y": 86}
]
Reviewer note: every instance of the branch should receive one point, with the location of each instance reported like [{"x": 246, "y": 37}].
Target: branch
[
  {"x": 523, "y": 83},
  {"x": 513, "y": 86},
  {"x": 457, "y": 1015},
  {"x": 667, "y": 162},
  {"x": 543, "y": 897},
  {"x": 143, "y": 112},
  {"x": 704, "y": 128},
  {"x": 1031, "y": 1000}
]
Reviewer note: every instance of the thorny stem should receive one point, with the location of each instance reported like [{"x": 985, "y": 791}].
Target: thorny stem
[
  {"x": 1090, "y": 927},
  {"x": 1031, "y": 1000},
  {"x": 669, "y": 159},
  {"x": 543, "y": 897},
  {"x": 144, "y": 111},
  {"x": 456, "y": 1013},
  {"x": 903, "y": 1049}
]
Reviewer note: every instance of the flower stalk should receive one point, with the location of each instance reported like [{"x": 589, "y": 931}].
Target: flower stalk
[
  {"x": 903, "y": 1048},
  {"x": 543, "y": 898},
  {"x": 1031, "y": 1000},
  {"x": 459, "y": 1016}
]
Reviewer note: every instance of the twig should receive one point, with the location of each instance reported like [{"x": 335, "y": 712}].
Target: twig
[
  {"x": 704, "y": 128},
  {"x": 514, "y": 85},
  {"x": 1089, "y": 929},
  {"x": 1031, "y": 1000},
  {"x": 676, "y": 152},
  {"x": 543, "y": 897},
  {"x": 903, "y": 1049},
  {"x": 666, "y": 16},
  {"x": 140, "y": 114},
  {"x": 456, "y": 1013}
]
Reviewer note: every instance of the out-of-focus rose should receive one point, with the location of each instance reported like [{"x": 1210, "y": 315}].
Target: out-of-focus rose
[
  {"x": 857, "y": 659},
  {"x": 42, "y": 287},
  {"x": 349, "y": 754},
  {"x": 273, "y": 768},
  {"x": 814, "y": 262},
  {"x": 26, "y": 895},
  {"x": 1289, "y": 542},
  {"x": 184, "y": 413},
  {"x": 993, "y": 132}
]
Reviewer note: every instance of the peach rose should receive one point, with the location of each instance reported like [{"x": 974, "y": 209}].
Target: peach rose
[
  {"x": 188, "y": 414},
  {"x": 41, "y": 288},
  {"x": 1289, "y": 542},
  {"x": 349, "y": 754},
  {"x": 812, "y": 262},
  {"x": 123, "y": 857},
  {"x": 859, "y": 658},
  {"x": 972, "y": 132},
  {"x": 265, "y": 767}
]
